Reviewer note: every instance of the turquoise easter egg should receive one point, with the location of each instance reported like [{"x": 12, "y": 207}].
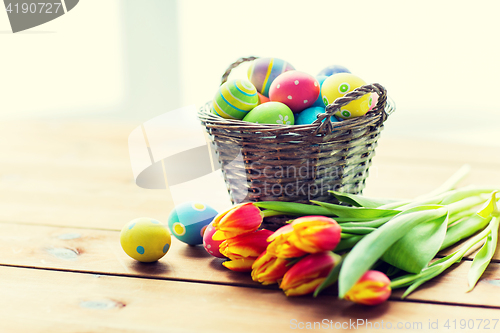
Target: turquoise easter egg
[
  {"x": 263, "y": 71},
  {"x": 333, "y": 69},
  {"x": 309, "y": 115},
  {"x": 271, "y": 113},
  {"x": 320, "y": 79},
  {"x": 188, "y": 221},
  {"x": 235, "y": 99}
]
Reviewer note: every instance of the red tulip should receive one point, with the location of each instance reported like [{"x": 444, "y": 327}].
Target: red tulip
[
  {"x": 244, "y": 249},
  {"x": 371, "y": 289},
  {"x": 310, "y": 272},
  {"x": 240, "y": 219},
  {"x": 269, "y": 269}
]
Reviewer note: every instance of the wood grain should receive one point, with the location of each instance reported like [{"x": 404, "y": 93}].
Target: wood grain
[
  {"x": 47, "y": 301},
  {"x": 99, "y": 252}
]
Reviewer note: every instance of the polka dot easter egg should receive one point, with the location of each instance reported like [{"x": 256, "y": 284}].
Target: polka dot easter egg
[
  {"x": 309, "y": 115},
  {"x": 188, "y": 221},
  {"x": 340, "y": 84},
  {"x": 234, "y": 99},
  {"x": 263, "y": 71},
  {"x": 333, "y": 69},
  {"x": 145, "y": 239},
  {"x": 211, "y": 245},
  {"x": 271, "y": 113},
  {"x": 296, "y": 89}
]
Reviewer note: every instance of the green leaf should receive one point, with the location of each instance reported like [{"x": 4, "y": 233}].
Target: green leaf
[
  {"x": 359, "y": 200},
  {"x": 450, "y": 183},
  {"x": 347, "y": 243},
  {"x": 294, "y": 208},
  {"x": 371, "y": 223},
  {"x": 332, "y": 277},
  {"x": 343, "y": 211},
  {"x": 416, "y": 248},
  {"x": 464, "y": 229},
  {"x": 483, "y": 258},
  {"x": 357, "y": 230},
  {"x": 373, "y": 246}
]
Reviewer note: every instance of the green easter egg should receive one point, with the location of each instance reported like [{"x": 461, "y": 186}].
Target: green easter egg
[
  {"x": 271, "y": 113},
  {"x": 234, "y": 99}
]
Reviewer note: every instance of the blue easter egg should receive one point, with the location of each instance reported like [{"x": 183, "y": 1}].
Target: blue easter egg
[
  {"x": 309, "y": 115},
  {"x": 319, "y": 101},
  {"x": 333, "y": 69},
  {"x": 188, "y": 221}
]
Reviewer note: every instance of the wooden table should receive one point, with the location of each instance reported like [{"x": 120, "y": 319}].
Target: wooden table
[{"x": 66, "y": 189}]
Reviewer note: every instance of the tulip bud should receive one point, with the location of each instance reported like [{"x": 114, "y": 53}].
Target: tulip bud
[
  {"x": 244, "y": 249},
  {"x": 269, "y": 269},
  {"x": 238, "y": 220},
  {"x": 310, "y": 272},
  {"x": 371, "y": 289},
  {"x": 280, "y": 246},
  {"x": 314, "y": 234}
]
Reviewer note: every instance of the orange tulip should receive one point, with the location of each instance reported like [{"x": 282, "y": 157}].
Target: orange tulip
[
  {"x": 371, "y": 289},
  {"x": 314, "y": 234},
  {"x": 269, "y": 269},
  {"x": 244, "y": 249},
  {"x": 310, "y": 272},
  {"x": 280, "y": 246},
  {"x": 240, "y": 219}
]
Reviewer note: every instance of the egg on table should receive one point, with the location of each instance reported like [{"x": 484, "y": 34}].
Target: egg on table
[
  {"x": 296, "y": 89},
  {"x": 188, "y": 221},
  {"x": 234, "y": 99},
  {"x": 309, "y": 115},
  {"x": 263, "y": 71},
  {"x": 333, "y": 69},
  {"x": 210, "y": 245},
  {"x": 145, "y": 239},
  {"x": 338, "y": 85},
  {"x": 271, "y": 113}
]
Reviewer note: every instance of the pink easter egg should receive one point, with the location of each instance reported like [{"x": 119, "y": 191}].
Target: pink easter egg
[
  {"x": 374, "y": 100},
  {"x": 211, "y": 245},
  {"x": 298, "y": 90}
]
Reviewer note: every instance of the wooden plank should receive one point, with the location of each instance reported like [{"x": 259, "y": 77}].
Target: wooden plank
[
  {"x": 47, "y": 301},
  {"x": 99, "y": 251}
]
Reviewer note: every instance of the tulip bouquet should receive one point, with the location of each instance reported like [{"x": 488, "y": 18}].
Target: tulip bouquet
[{"x": 361, "y": 245}]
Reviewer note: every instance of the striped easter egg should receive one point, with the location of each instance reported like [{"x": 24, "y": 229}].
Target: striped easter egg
[
  {"x": 235, "y": 99},
  {"x": 263, "y": 71}
]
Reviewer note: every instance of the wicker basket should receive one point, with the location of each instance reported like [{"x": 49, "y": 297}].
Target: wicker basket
[{"x": 297, "y": 163}]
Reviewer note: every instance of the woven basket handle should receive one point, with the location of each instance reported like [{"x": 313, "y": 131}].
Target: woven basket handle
[
  {"x": 327, "y": 127},
  {"x": 233, "y": 66}
]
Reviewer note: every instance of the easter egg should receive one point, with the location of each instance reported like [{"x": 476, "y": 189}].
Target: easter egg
[
  {"x": 145, "y": 239},
  {"x": 211, "y": 245},
  {"x": 333, "y": 69},
  {"x": 374, "y": 101},
  {"x": 234, "y": 99},
  {"x": 340, "y": 84},
  {"x": 296, "y": 89},
  {"x": 188, "y": 220},
  {"x": 263, "y": 71},
  {"x": 271, "y": 113},
  {"x": 262, "y": 98},
  {"x": 319, "y": 100},
  {"x": 309, "y": 115}
]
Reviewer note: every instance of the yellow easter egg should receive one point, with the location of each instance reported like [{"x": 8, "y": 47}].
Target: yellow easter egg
[
  {"x": 340, "y": 84},
  {"x": 145, "y": 239}
]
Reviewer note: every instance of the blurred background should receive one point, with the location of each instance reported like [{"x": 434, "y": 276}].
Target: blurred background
[{"x": 131, "y": 60}]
